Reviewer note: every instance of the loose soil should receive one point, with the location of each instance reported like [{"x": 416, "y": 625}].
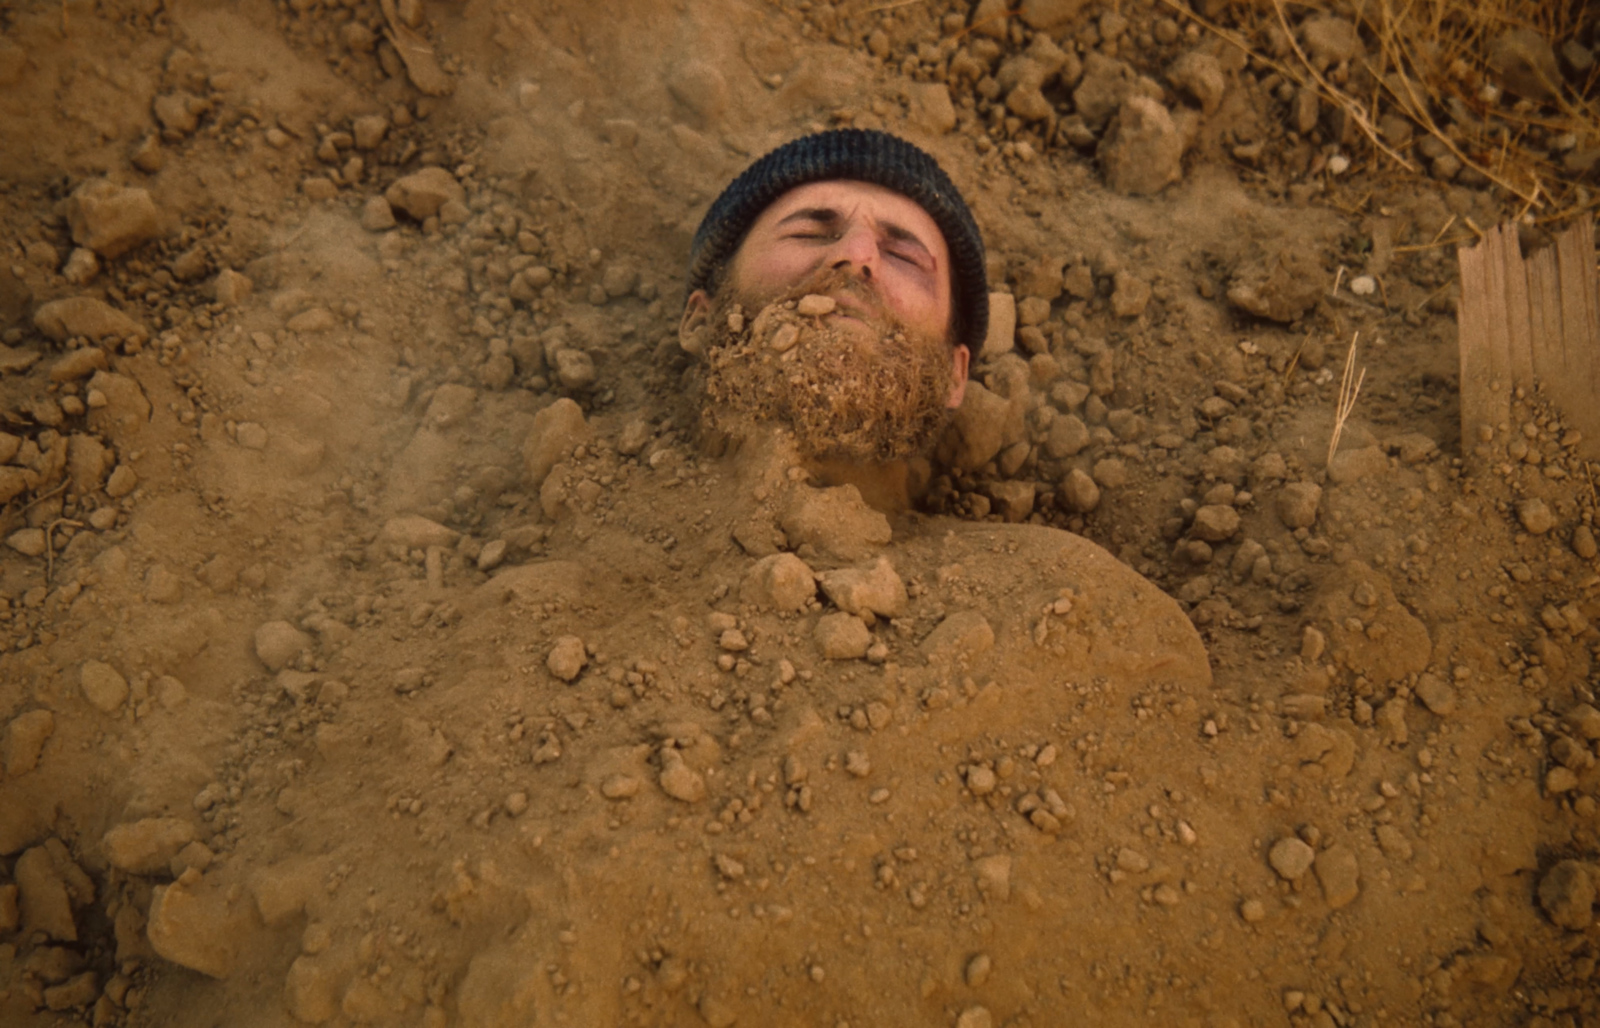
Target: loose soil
[{"x": 379, "y": 646}]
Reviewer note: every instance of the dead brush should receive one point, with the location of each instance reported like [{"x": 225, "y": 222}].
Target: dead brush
[{"x": 1430, "y": 65}]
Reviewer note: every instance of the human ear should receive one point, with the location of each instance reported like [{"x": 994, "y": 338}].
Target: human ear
[
  {"x": 692, "y": 326},
  {"x": 959, "y": 360}
]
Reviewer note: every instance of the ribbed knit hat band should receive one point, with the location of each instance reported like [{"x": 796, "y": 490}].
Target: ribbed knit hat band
[{"x": 861, "y": 155}]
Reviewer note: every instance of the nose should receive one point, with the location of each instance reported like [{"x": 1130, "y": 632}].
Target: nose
[{"x": 856, "y": 248}]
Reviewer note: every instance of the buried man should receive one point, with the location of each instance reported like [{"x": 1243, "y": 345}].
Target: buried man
[
  {"x": 836, "y": 293},
  {"x": 867, "y": 271}
]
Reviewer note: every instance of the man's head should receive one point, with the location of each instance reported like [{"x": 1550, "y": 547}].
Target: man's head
[{"x": 864, "y": 217}]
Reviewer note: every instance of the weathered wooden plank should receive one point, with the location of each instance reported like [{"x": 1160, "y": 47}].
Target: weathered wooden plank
[{"x": 1530, "y": 321}]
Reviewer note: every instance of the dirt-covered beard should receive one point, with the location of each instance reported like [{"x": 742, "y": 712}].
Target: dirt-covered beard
[{"x": 862, "y": 389}]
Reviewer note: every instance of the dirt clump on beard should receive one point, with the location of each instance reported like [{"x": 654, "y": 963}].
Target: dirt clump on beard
[{"x": 864, "y": 389}]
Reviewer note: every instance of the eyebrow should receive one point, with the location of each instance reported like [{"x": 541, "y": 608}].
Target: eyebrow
[{"x": 828, "y": 215}]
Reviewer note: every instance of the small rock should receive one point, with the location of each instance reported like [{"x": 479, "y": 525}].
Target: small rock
[
  {"x": 965, "y": 634},
  {"x": 981, "y": 781},
  {"x": 123, "y": 481},
  {"x": 1526, "y": 64},
  {"x": 836, "y": 521},
  {"x": 1340, "y": 875},
  {"x": 1535, "y": 516},
  {"x": 1567, "y": 894},
  {"x": 43, "y": 895},
  {"x": 781, "y": 581},
  {"x": 377, "y": 215},
  {"x": 422, "y": 193},
  {"x": 813, "y": 305},
  {"x": 147, "y": 846},
  {"x": 1331, "y": 39},
  {"x": 1199, "y": 75},
  {"x": 567, "y": 658},
  {"x": 976, "y": 1017},
  {"x": 1002, "y": 330},
  {"x": 556, "y": 429},
  {"x": 78, "y": 364},
  {"x": 232, "y": 288},
  {"x": 1131, "y": 297},
  {"x": 678, "y": 780},
  {"x": 29, "y": 542},
  {"x": 574, "y": 369},
  {"x": 278, "y": 643},
  {"x": 81, "y": 267},
  {"x": 1077, "y": 493},
  {"x": 1067, "y": 437},
  {"x": 86, "y": 316},
  {"x": 1215, "y": 523},
  {"x": 1142, "y": 151},
  {"x": 111, "y": 219},
  {"x": 25, "y": 739},
  {"x": 104, "y": 688},
  {"x": 1436, "y": 694},
  {"x": 978, "y": 970},
  {"x": 842, "y": 636},
  {"x": 368, "y": 130},
  {"x": 619, "y": 787},
  {"x": 1132, "y": 861},
  {"x": 416, "y": 532},
  {"x": 874, "y": 588},
  {"x": 1297, "y": 504},
  {"x": 193, "y": 925},
  {"x": 1291, "y": 858},
  {"x": 1583, "y": 543},
  {"x": 251, "y": 436}
]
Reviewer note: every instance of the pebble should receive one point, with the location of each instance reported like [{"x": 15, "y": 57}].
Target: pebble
[
  {"x": 422, "y": 193},
  {"x": 195, "y": 926},
  {"x": 46, "y": 905},
  {"x": 1215, "y": 524},
  {"x": 103, "y": 686},
  {"x": 415, "y": 532},
  {"x": 1077, "y": 493},
  {"x": 29, "y": 542},
  {"x": 678, "y": 780},
  {"x": 978, "y": 970},
  {"x": 1132, "y": 861},
  {"x": 82, "y": 266},
  {"x": 1363, "y": 285},
  {"x": 619, "y": 787},
  {"x": 251, "y": 436},
  {"x": 1253, "y": 911},
  {"x": 781, "y": 581},
  {"x": 842, "y": 636},
  {"x": 1142, "y": 153},
  {"x": 1340, "y": 874},
  {"x": 871, "y": 589},
  {"x": 25, "y": 739},
  {"x": 813, "y": 305},
  {"x": 1291, "y": 858},
  {"x": 1567, "y": 894},
  {"x": 981, "y": 781},
  {"x": 377, "y": 215},
  {"x": 567, "y": 658},
  {"x": 975, "y": 1017},
  {"x": 86, "y": 316},
  {"x": 111, "y": 219},
  {"x": 1297, "y": 504},
  {"x": 123, "y": 480},
  {"x": 277, "y": 643},
  {"x": 368, "y": 130},
  {"x": 1000, "y": 337},
  {"x": 556, "y": 429},
  {"x": 1535, "y": 516},
  {"x": 1583, "y": 543},
  {"x": 1436, "y": 694},
  {"x": 1131, "y": 296},
  {"x": 147, "y": 846}
]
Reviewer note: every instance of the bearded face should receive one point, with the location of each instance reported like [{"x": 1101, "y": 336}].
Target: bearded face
[{"x": 850, "y": 385}]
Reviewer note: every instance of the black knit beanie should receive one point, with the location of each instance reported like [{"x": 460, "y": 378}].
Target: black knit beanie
[{"x": 862, "y": 155}]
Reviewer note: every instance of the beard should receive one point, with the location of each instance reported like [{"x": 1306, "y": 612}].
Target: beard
[{"x": 862, "y": 389}]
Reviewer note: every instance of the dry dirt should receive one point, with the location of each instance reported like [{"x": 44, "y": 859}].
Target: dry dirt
[{"x": 378, "y": 647}]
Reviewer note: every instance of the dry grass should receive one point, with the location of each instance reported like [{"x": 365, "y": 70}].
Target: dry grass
[
  {"x": 1427, "y": 61},
  {"x": 1349, "y": 392}
]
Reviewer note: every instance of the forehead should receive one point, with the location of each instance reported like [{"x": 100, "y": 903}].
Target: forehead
[{"x": 853, "y": 199}]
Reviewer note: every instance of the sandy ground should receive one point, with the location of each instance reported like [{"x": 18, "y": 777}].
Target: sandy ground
[{"x": 377, "y": 647}]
